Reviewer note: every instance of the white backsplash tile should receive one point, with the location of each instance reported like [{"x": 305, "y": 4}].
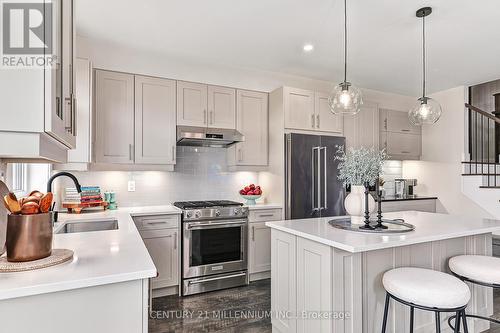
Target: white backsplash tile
[
  {"x": 200, "y": 174},
  {"x": 391, "y": 171}
]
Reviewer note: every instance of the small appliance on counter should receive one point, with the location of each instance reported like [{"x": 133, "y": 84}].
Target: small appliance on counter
[
  {"x": 405, "y": 188},
  {"x": 214, "y": 245}
]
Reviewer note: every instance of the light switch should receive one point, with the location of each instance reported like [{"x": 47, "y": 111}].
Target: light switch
[{"x": 131, "y": 185}]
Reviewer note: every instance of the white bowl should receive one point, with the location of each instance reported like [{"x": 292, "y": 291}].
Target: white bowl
[{"x": 251, "y": 199}]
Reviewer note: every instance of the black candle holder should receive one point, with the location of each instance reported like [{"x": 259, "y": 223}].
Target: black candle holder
[
  {"x": 379, "y": 206},
  {"x": 367, "y": 225}
]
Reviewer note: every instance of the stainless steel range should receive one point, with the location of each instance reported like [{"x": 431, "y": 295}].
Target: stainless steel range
[{"x": 214, "y": 245}]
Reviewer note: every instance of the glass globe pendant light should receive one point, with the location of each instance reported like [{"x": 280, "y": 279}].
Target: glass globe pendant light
[
  {"x": 427, "y": 110},
  {"x": 345, "y": 98}
]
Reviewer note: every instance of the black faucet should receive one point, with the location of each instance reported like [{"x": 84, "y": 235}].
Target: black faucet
[{"x": 67, "y": 174}]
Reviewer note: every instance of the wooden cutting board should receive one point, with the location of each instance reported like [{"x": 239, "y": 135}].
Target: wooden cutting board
[{"x": 3, "y": 217}]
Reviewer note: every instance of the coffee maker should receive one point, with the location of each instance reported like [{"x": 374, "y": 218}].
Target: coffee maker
[{"x": 405, "y": 188}]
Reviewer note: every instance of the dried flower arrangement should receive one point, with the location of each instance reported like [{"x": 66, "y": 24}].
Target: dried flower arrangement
[{"x": 360, "y": 166}]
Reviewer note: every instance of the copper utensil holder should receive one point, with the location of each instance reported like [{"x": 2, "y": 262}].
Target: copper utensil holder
[{"x": 29, "y": 237}]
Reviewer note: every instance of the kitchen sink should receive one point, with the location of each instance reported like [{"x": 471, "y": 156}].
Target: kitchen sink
[{"x": 87, "y": 226}]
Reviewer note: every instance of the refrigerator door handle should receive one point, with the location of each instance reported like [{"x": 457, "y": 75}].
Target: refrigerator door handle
[
  {"x": 325, "y": 179},
  {"x": 314, "y": 173},
  {"x": 320, "y": 207}
]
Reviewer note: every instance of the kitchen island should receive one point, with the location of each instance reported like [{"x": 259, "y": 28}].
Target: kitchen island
[
  {"x": 104, "y": 289},
  {"x": 329, "y": 280}
]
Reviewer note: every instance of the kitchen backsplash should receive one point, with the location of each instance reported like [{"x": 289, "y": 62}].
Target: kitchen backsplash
[
  {"x": 200, "y": 174},
  {"x": 391, "y": 171}
]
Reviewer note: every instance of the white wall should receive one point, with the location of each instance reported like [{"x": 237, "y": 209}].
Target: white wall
[{"x": 443, "y": 146}]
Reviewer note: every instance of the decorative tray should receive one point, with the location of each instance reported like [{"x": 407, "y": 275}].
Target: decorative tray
[
  {"x": 396, "y": 226},
  {"x": 78, "y": 207}
]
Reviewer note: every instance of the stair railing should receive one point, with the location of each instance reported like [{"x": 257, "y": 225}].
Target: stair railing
[{"x": 484, "y": 147}]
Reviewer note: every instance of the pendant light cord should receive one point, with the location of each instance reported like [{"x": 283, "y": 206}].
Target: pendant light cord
[
  {"x": 423, "y": 56},
  {"x": 345, "y": 41}
]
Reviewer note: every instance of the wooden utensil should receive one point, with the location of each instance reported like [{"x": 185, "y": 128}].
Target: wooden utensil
[
  {"x": 45, "y": 202},
  {"x": 11, "y": 203}
]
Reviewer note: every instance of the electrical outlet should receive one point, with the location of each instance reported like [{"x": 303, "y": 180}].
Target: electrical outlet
[{"x": 131, "y": 185}]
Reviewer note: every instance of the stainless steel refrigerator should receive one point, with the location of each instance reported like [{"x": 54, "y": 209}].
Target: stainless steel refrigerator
[{"x": 312, "y": 188}]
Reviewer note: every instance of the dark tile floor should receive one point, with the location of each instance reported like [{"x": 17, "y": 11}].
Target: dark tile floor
[
  {"x": 219, "y": 311},
  {"x": 174, "y": 314}
]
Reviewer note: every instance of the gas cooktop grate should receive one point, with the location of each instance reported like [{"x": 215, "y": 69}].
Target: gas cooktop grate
[{"x": 205, "y": 204}]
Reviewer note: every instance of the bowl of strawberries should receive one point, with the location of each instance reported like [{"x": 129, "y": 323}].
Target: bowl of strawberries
[{"x": 251, "y": 193}]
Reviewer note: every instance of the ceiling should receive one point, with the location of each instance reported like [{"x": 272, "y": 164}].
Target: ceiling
[{"x": 384, "y": 37}]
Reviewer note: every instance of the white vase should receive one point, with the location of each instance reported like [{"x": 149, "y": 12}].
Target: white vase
[{"x": 355, "y": 203}]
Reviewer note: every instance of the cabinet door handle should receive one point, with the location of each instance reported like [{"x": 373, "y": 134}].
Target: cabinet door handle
[
  {"x": 58, "y": 107},
  {"x": 385, "y": 123},
  {"x": 253, "y": 233},
  {"x": 405, "y": 152},
  {"x": 204, "y": 116},
  {"x": 313, "y": 121},
  {"x": 69, "y": 103},
  {"x": 266, "y": 215},
  {"x": 405, "y": 130},
  {"x": 240, "y": 155},
  {"x": 75, "y": 114},
  {"x": 175, "y": 240},
  {"x": 211, "y": 117},
  {"x": 317, "y": 121}
]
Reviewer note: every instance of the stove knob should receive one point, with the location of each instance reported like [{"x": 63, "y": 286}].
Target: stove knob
[
  {"x": 217, "y": 213},
  {"x": 244, "y": 210},
  {"x": 237, "y": 211},
  {"x": 197, "y": 214},
  {"x": 189, "y": 214}
]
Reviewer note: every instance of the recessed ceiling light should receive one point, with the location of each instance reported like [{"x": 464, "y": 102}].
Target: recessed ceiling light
[{"x": 308, "y": 48}]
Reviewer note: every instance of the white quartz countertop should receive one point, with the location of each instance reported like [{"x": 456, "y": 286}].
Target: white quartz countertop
[
  {"x": 428, "y": 227},
  {"x": 101, "y": 257}
]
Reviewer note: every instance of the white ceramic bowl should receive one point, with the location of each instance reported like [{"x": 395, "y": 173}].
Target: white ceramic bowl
[{"x": 251, "y": 199}]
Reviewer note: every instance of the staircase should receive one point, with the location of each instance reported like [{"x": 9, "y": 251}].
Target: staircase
[{"x": 484, "y": 146}]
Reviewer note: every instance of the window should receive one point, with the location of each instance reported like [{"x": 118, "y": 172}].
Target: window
[
  {"x": 22, "y": 178},
  {"x": 19, "y": 178}
]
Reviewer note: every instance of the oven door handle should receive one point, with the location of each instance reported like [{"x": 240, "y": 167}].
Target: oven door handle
[
  {"x": 217, "y": 278},
  {"x": 216, "y": 224}
]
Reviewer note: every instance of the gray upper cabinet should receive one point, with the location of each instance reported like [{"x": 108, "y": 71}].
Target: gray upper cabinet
[
  {"x": 362, "y": 129},
  {"x": 221, "y": 107},
  {"x": 192, "y": 104},
  {"x": 135, "y": 119},
  {"x": 397, "y": 122},
  {"x": 205, "y": 106},
  {"x": 155, "y": 114},
  {"x": 326, "y": 121},
  {"x": 252, "y": 122},
  {"x": 114, "y": 117},
  {"x": 401, "y": 139},
  {"x": 299, "y": 109}
]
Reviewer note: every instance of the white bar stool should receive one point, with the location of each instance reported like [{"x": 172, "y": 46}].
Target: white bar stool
[
  {"x": 481, "y": 270},
  {"x": 428, "y": 290}
]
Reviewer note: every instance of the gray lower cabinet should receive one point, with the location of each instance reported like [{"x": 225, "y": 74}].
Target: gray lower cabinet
[
  {"x": 405, "y": 205},
  {"x": 161, "y": 235},
  {"x": 259, "y": 242}
]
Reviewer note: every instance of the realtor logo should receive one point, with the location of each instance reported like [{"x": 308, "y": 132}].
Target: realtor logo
[
  {"x": 27, "y": 39},
  {"x": 27, "y": 28}
]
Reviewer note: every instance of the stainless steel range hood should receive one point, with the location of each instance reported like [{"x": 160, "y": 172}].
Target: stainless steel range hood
[{"x": 207, "y": 137}]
